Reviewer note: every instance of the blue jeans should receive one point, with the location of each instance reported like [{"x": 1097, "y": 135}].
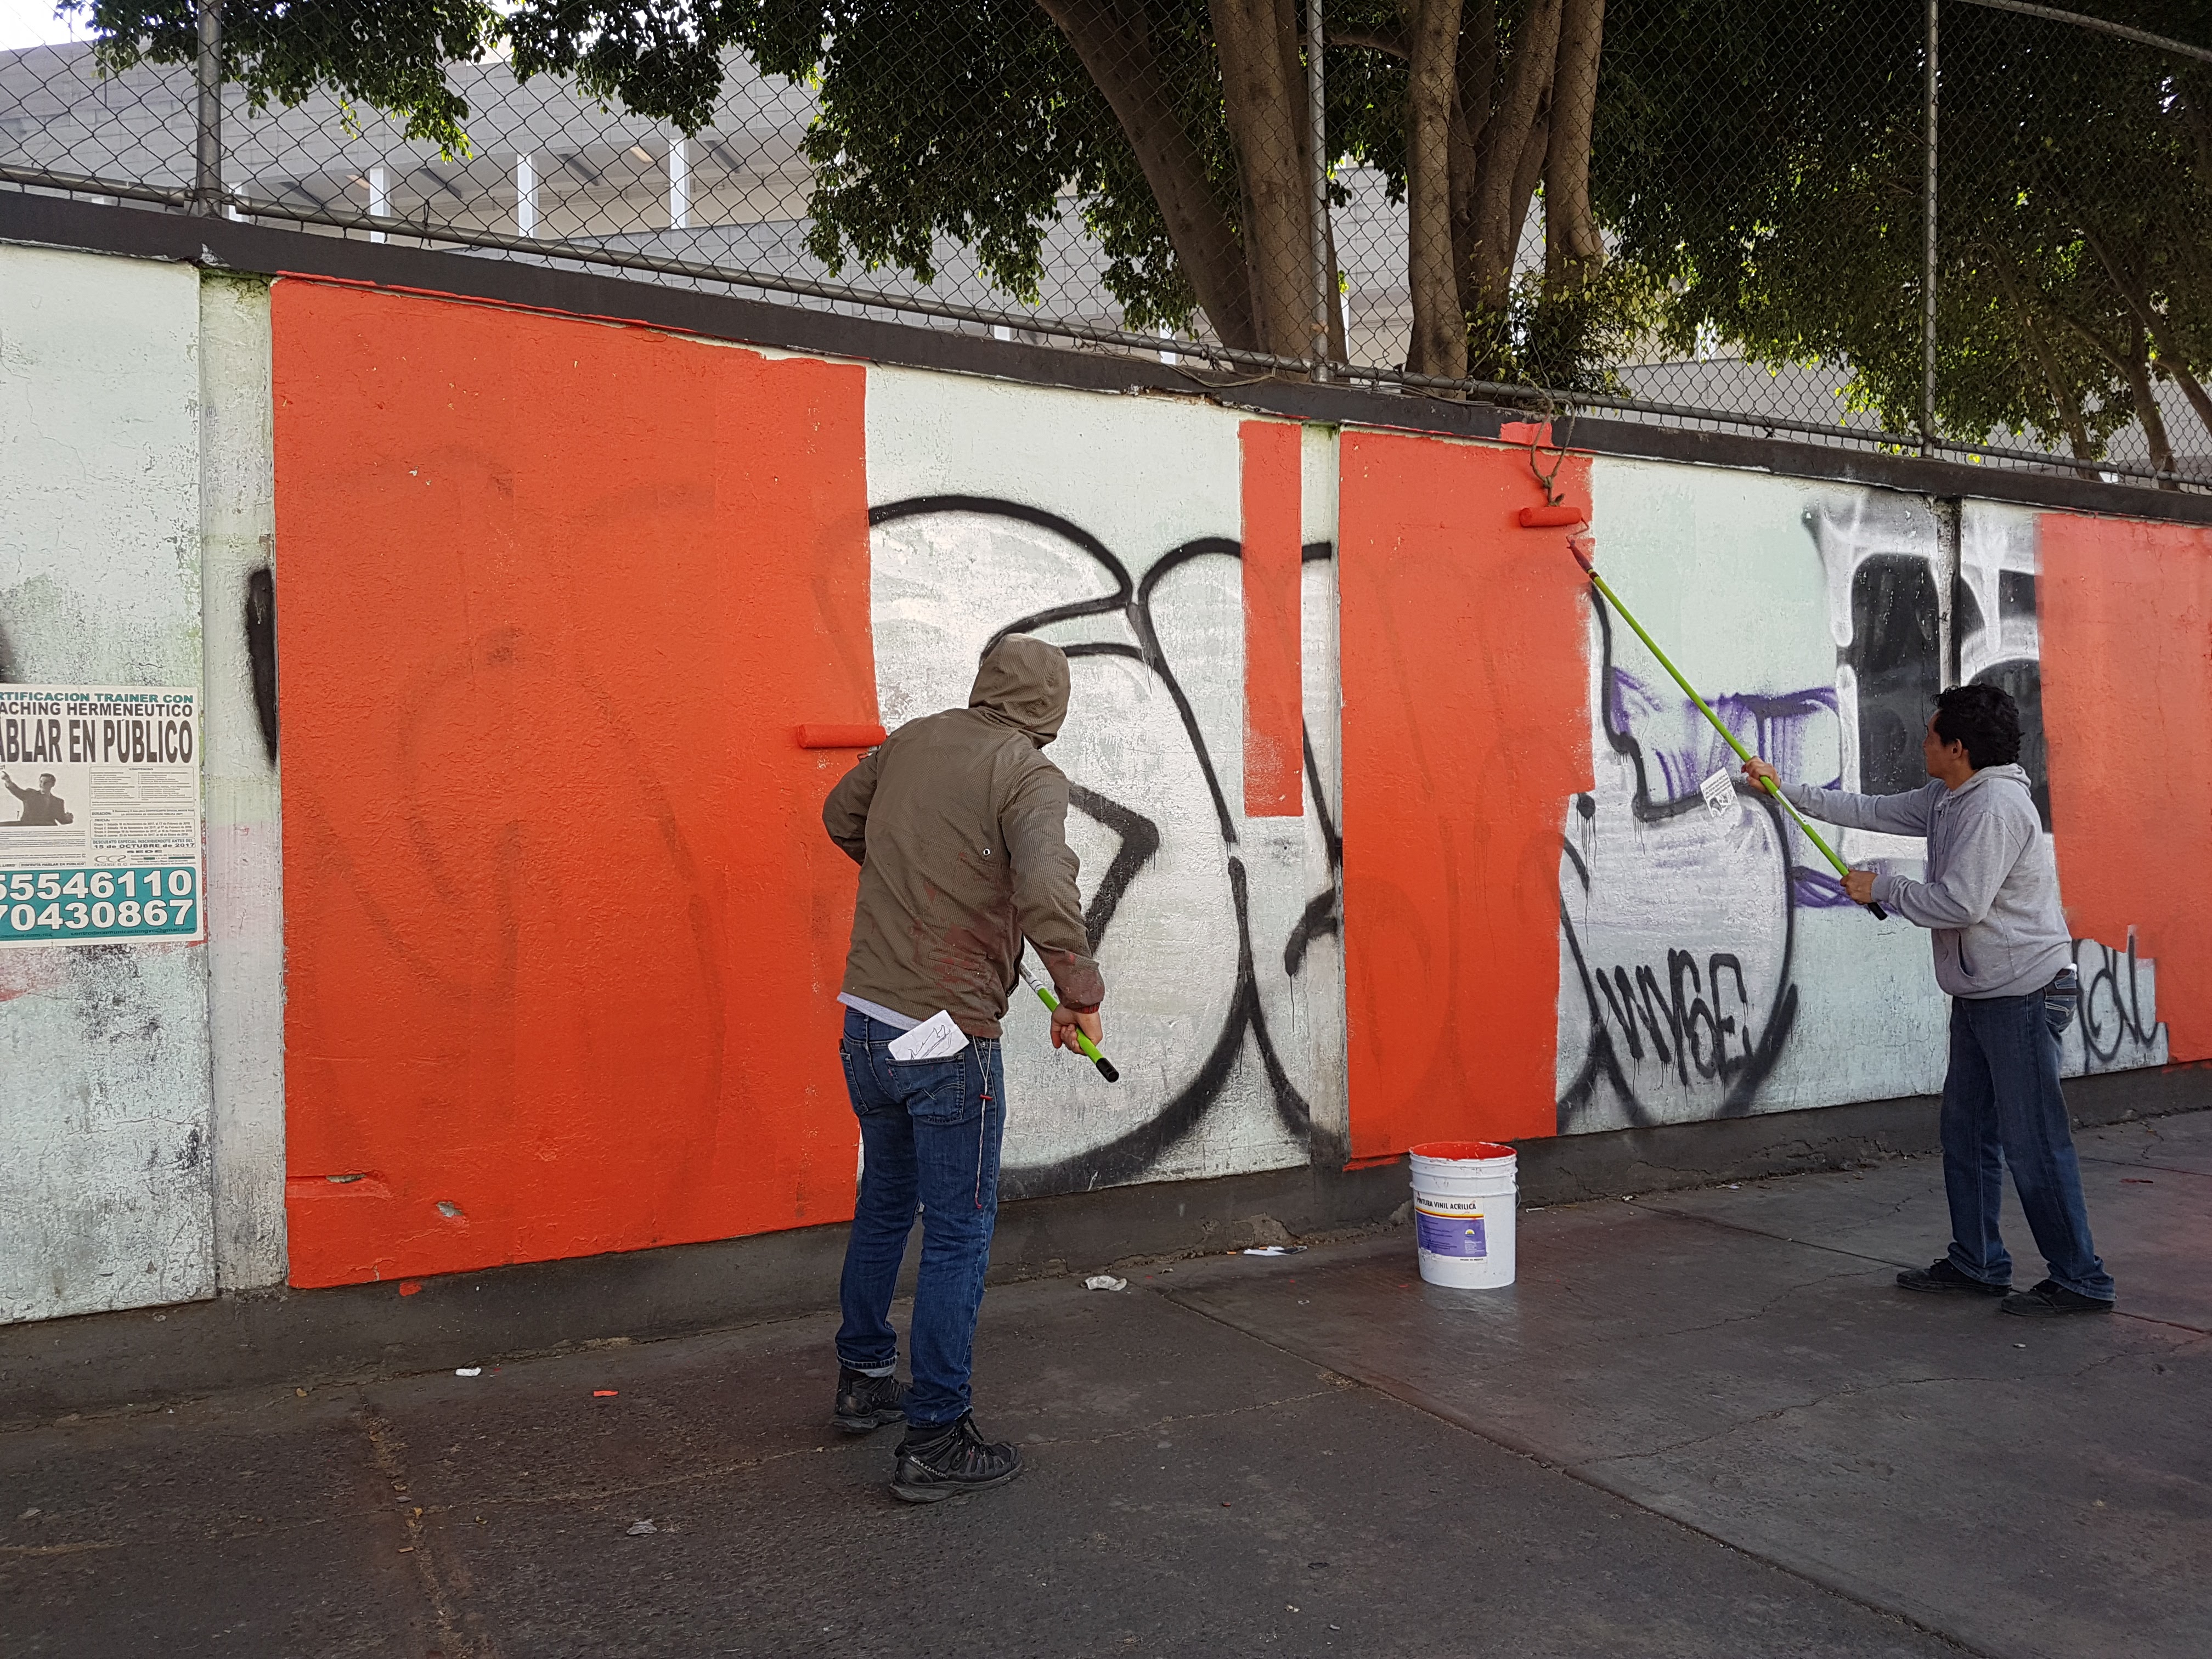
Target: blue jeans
[
  {"x": 2001, "y": 1105},
  {"x": 930, "y": 1132}
]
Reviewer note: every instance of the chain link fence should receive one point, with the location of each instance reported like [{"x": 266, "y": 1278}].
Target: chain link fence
[{"x": 1715, "y": 213}]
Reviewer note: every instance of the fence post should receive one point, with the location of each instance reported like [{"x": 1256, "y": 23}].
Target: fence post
[
  {"x": 207, "y": 172},
  {"x": 1317, "y": 120},
  {"x": 1928, "y": 112}
]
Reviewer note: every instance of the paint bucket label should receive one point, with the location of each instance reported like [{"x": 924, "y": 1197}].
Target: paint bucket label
[{"x": 1448, "y": 1232}]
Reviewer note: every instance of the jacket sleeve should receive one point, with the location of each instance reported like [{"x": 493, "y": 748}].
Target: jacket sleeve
[
  {"x": 1893, "y": 815},
  {"x": 1981, "y": 857},
  {"x": 1033, "y": 826},
  {"x": 845, "y": 814}
]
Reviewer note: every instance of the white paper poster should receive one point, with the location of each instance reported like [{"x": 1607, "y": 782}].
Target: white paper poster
[{"x": 100, "y": 814}]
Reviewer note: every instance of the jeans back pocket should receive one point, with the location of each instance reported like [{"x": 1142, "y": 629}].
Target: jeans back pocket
[{"x": 2062, "y": 1000}]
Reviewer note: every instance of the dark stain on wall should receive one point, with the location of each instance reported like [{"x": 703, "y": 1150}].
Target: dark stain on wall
[
  {"x": 261, "y": 651},
  {"x": 2024, "y": 680},
  {"x": 1896, "y": 653}
]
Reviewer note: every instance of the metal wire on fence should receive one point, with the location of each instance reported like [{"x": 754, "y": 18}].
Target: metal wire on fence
[{"x": 1984, "y": 230}]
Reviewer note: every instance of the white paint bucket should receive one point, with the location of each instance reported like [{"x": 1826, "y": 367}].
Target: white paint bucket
[{"x": 1464, "y": 1197}]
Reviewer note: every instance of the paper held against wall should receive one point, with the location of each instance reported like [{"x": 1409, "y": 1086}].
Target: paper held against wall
[{"x": 100, "y": 814}]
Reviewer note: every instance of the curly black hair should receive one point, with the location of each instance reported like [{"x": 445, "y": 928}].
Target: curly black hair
[{"x": 1983, "y": 717}]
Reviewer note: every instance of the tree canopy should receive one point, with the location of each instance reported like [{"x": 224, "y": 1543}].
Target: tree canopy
[{"x": 1770, "y": 182}]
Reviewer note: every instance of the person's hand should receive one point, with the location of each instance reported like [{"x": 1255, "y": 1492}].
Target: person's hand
[
  {"x": 1758, "y": 772},
  {"x": 1859, "y": 884},
  {"x": 1065, "y": 1022}
]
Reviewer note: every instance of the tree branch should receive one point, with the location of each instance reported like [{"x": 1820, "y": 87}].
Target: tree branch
[
  {"x": 2171, "y": 361},
  {"x": 2062, "y": 395},
  {"x": 1372, "y": 36},
  {"x": 1115, "y": 50}
]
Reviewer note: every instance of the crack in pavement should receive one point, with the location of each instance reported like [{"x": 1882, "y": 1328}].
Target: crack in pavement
[{"x": 458, "y": 1636}]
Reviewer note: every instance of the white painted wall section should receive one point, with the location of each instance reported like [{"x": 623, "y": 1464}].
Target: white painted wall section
[
  {"x": 244, "y": 870},
  {"x": 993, "y": 505}
]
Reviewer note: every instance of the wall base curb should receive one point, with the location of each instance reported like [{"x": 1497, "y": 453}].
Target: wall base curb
[{"x": 103, "y": 1363}]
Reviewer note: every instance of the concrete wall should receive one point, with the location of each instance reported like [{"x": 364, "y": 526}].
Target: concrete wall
[
  {"x": 1388, "y": 830},
  {"x": 106, "y": 1187}
]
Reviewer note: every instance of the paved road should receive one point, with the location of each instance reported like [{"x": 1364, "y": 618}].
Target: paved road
[{"x": 1701, "y": 1423}]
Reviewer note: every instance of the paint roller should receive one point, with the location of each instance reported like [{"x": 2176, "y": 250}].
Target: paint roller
[
  {"x": 1090, "y": 1050},
  {"x": 1559, "y": 514}
]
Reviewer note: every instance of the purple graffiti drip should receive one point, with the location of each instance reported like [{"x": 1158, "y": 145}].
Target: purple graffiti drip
[
  {"x": 1682, "y": 748},
  {"x": 1816, "y": 889}
]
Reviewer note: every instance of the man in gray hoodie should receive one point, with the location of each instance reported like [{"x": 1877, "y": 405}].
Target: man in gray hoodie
[{"x": 2004, "y": 953}]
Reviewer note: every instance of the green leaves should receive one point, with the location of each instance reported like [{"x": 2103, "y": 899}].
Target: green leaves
[{"x": 391, "y": 56}]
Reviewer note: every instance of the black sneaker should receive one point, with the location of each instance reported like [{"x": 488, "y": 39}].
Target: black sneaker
[
  {"x": 866, "y": 1403},
  {"x": 2050, "y": 1299},
  {"x": 943, "y": 1463},
  {"x": 1944, "y": 1279}
]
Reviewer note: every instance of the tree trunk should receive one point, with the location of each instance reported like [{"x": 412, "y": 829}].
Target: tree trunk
[
  {"x": 2147, "y": 410},
  {"x": 2191, "y": 388},
  {"x": 1499, "y": 152},
  {"x": 2191, "y": 99},
  {"x": 1263, "y": 91},
  {"x": 1476, "y": 80},
  {"x": 1438, "y": 343},
  {"x": 2146, "y": 312},
  {"x": 1572, "y": 247},
  {"x": 1109, "y": 38},
  {"x": 2063, "y": 396}
]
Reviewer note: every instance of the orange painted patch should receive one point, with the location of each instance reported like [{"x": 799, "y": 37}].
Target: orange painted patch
[
  {"x": 2125, "y": 612},
  {"x": 1466, "y": 734},
  {"x": 1274, "y": 735},
  {"x": 561, "y": 927}
]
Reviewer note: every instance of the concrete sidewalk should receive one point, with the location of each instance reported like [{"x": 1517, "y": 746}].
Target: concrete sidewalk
[{"x": 1703, "y": 1423}]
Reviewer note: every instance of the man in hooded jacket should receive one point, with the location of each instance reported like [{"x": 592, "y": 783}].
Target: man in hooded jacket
[
  {"x": 2005, "y": 954},
  {"x": 957, "y": 822}
]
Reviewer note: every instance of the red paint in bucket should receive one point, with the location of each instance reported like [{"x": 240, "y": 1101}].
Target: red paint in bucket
[{"x": 1462, "y": 1149}]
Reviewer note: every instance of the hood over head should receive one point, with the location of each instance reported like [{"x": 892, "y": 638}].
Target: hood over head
[
  {"x": 2010, "y": 772},
  {"x": 1023, "y": 684}
]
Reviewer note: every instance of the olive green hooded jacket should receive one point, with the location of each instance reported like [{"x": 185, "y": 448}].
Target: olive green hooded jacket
[{"x": 958, "y": 823}]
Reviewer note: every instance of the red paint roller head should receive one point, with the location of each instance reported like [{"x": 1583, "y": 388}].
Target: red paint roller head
[{"x": 1557, "y": 515}]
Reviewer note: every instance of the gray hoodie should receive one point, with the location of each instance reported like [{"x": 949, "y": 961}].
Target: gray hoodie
[{"x": 1991, "y": 896}]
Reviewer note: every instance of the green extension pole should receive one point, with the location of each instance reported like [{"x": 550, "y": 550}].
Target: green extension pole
[
  {"x": 1090, "y": 1050},
  {"x": 1690, "y": 691}
]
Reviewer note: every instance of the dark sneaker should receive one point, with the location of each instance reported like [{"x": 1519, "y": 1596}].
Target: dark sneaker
[
  {"x": 935, "y": 1464},
  {"x": 866, "y": 1403},
  {"x": 2050, "y": 1299},
  {"x": 1945, "y": 1280}
]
